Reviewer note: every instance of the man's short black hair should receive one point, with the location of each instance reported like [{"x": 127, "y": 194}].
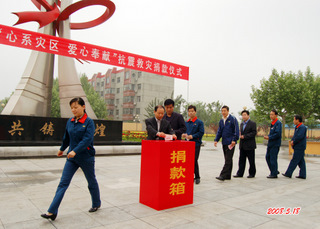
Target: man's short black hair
[
  {"x": 274, "y": 111},
  {"x": 245, "y": 111},
  {"x": 298, "y": 117},
  {"x": 157, "y": 107},
  {"x": 169, "y": 102},
  {"x": 225, "y": 106},
  {"x": 192, "y": 107}
]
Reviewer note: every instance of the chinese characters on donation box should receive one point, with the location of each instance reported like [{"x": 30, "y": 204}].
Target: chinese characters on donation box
[{"x": 176, "y": 173}]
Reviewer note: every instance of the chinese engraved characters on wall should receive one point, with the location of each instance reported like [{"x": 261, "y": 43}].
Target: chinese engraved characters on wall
[{"x": 48, "y": 129}]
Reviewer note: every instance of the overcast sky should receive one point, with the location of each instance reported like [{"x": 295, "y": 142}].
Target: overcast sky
[{"x": 228, "y": 45}]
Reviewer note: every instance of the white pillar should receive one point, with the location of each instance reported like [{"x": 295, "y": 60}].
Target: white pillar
[{"x": 69, "y": 81}]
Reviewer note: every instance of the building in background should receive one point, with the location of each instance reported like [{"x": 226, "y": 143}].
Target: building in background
[{"x": 128, "y": 92}]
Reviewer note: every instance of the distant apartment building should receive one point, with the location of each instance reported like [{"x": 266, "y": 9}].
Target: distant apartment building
[{"x": 128, "y": 92}]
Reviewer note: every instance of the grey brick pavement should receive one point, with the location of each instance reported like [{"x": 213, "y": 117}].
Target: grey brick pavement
[{"x": 27, "y": 187}]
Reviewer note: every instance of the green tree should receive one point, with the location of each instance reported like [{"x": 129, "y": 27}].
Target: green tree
[
  {"x": 97, "y": 103},
  {"x": 150, "y": 108},
  {"x": 312, "y": 123},
  {"x": 55, "y": 101},
  {"x": 262, "y": 121},
  {"x": 288, "y": 93},
  {"x": 3, "y": 103},
  {"x": 214, "y": 110},
  {"x": 178, "y": 105},
  {"x": 202, "y": 112},
  {"x": 209, "y": 113}
]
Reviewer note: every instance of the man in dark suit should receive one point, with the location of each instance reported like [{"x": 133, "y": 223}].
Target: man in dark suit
[
  {"x": 247, "y": 146},
  {"x": 299, "y": 144},
  {"x": 157, "y": 127},
  {"x": 176, "y": 120}
]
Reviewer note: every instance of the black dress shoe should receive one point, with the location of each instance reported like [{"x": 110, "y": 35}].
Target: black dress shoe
[
  {"x": 52, "y": 217},
  {"x": 272, "y": 177},
  {"x": 197, "y": 180},
  {"x": 250, "y": 176},
  {"x": 278, "y": 172},
  {"x": 94, "y": 209},
  {"x": 283, "y": 174},
  {"x": 220, "y": 178},
  {"x": 300, "y": 177},
  {"x": 237, "y": 176}
]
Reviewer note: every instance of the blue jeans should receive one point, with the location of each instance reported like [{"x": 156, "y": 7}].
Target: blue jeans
[
  {"x": 297, "y": 160},
  {"x": 272, "y": 159},
  {"x": 69, "y": 170}
]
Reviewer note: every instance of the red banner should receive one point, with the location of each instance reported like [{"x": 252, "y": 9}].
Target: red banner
[{"x": 83, "y": 51}]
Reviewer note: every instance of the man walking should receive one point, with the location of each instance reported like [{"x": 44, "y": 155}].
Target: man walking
[
  {"x": 195, "y": 131},
  {"x": 229, "y": 132},
  {"x": 274, "y": 143},
  {"x": 176, "y": 120},
  {"x": 299, "y": 144},
  {"x": 247, "y": 146}
]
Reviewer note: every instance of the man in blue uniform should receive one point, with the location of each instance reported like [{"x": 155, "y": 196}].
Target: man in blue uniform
[
  {"x": 195, "y": 131},
  {"x": 229, "y": 132},
  {"x": 299, "y": 144},
  {"x": 274, "y": 143}
]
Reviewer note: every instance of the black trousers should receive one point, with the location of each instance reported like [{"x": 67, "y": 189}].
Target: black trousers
[
  {"x": 244, "y": 154},
  {"x": 196, "y": 165},
  {"x": 227, "y": 168}
]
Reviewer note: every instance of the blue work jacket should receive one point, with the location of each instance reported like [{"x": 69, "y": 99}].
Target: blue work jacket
[
  {"x": 79, "y": 137},
  {"x": 300, "y": 137},
  {"x": 275, "y": 134},
  {"x": 229, "y": 131},
  {"x": 195, "y": 128}
]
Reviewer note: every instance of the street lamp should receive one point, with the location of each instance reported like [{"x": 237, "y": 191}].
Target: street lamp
[{"x": 136, "y": 120}]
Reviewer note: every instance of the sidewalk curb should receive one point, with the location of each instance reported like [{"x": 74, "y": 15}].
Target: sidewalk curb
[{"x": 51, "y": 151}]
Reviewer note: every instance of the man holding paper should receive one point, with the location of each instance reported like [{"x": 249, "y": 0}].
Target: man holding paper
[
  {"x": 157, "y": 127},
  {"x": 229, "y": 132}
]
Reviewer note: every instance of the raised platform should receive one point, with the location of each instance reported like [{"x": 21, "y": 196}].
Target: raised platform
[{"x": 27, "y": 187}]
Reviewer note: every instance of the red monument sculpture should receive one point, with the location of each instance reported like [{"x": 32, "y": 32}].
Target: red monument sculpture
[{"x": 32, "y": 96}]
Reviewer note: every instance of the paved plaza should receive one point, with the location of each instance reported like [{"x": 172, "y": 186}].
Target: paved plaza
[{"x": 27, "y": 187}]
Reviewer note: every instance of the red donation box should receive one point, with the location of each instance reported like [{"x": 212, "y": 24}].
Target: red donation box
[{"x": 167, "y": 169}]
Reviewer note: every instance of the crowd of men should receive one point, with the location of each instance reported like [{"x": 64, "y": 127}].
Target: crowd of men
[{"x": 167, "y": 122}]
